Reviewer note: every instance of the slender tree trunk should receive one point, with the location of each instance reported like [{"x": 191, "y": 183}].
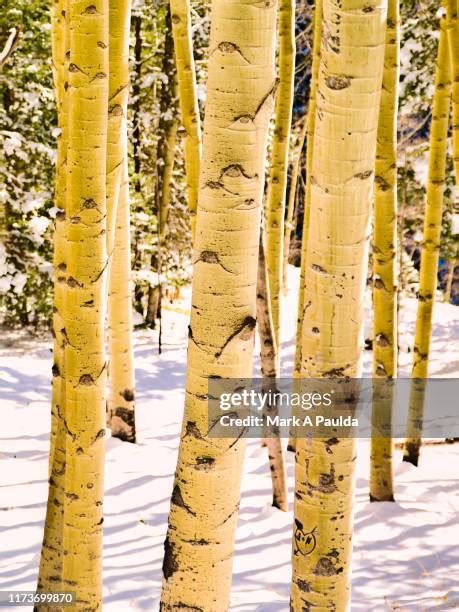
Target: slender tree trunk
[
  {"x": 270, "y": 371},
  {"x": 346, "y": 118},
  {"x": 121, "y": 393},
  {"x": 309, "y": 155},
  {"x": 188, "y": 99},
  {"x": 205, "y": 499},
  {"x": 453, "y": 40},
  {"x": 430, "y": 246},
  {"x": 51, "y": 559},
  {"x": 291, "y": 200},
  {"x": 168, "y": 126},
  {"x": 277, "y": 184},
  {"x": 121, "y": 367},
  {"x": 385, "y": 262},
  {"x": 85, "y": 308},
  {"x": 137, "y": 25}
]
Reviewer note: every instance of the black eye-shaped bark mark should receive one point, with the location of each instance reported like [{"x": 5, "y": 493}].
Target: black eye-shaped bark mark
[
  {"x": 363, "y": 175},
  {"x": 74, "y": 68},
  {"x": 191, "y": 429},
  {"x": 116, "y": 110},
  {"x": 236, "y": 171},
  {"x": 170, "y": 564},
  {"x": 219, "y": 185},
  {"x": 326, "y": 567},
  {"x": 177, "y": 500},
  {"x": 381, "y": 183},
  {"x": 244, "y": 332},
  {"x": 228, "y": 48},
  {"x": 210, "y": 257},
  {"x": 338, "y": 82}
]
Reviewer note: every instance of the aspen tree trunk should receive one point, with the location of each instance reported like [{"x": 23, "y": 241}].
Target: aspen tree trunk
[
  {"x": 137, "y": 27},
  {"x": 165, "y": 156},
  {"x": 453, "y": 41},
  {"x": 346, "y": 119},
  {"x": 205, "y": 499},
  {"x": 168, "y": 127},
  {"x": 291, "y": 200},
  {"x": 316, "y": 50},
  {"x": 188, "y": 99},
  {"x": 121, "y": 395},
  {"x": 430, "y": 245},
  {"x": 50, "y": 571},
  {"x": 85, "y": 307},
  {"x": 385, "y": 263},
  {"x": 270, "y": 371},
  {"x": 120, "y": 324},
  {"x": 277, "y": 183}
]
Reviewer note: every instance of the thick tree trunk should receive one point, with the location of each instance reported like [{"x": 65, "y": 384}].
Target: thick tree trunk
[
  {"x": 270, "y": 371},
  {"x": 205, "y": 499},
  {"x": 277, "y": 184},
  {"x": 346, "y": 118},
  {"x": 51, "y": 559},
  {"x": 430, "y": 245},
  {"x": 188, "y": 99},
  {"x": 85, "y": 307},
  {"x": 385, "y": 262}
]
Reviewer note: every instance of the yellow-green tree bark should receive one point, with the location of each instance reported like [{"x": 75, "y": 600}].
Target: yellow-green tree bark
[
  {"x": 188, "y": 98},
  {"x": 430, "y": 245},
  {"x": 277, "y": 182},
  {"x": 120, "y": 324},
  {"x": 309, "y": 152},
  {"x": 291, "y": 199},
  {"x": 452, "y": 9},
  {"x": 50, "y": 570},
  {"x": 270, "y": 372},
  {"x": 85, "y": 308},
  {"x": 385, "y": 261},
  {"x": 205, "y": 499},
  {"x": 347, "y": 105},
  {"x": 121, "y": 395}
]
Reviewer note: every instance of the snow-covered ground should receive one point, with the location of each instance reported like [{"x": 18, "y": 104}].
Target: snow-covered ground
[{"x": 406, "y": 555}]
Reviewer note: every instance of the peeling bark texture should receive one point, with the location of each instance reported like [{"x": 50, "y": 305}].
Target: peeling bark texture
[
  {"x": 431, "y": 244},
  {"x": 385, "y": 261},
  {"x": 238, "y": 107},
  {"x": 120, "y": 412},
  {"x": 50, "y": 571},
  {"x": 310, "y": 148},
  {"x": 346, "y": 119},
  {"x": 277, "y": 183},
  {"x": 87, "y": 266},
  {"x": 270, "y": 371},
  {"x": 188, "y": 99}
]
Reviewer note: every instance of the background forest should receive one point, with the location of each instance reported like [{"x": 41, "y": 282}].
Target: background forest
[
  {"x": 187, "y": 193},
  {"x": 29, "y": 131}
]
